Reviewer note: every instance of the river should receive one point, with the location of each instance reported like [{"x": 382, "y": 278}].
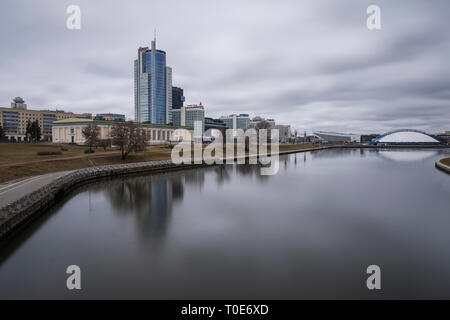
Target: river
[{"x": 227, "y": 232}]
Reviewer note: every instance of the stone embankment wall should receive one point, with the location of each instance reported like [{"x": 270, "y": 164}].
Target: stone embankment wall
[{"x": 442, "y": 166}]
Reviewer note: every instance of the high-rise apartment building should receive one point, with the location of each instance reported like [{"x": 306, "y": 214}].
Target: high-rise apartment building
[{"x": 152, "y": 86}]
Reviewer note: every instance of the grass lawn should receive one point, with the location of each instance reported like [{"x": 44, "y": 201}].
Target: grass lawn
[
  {"x": 20, "y": 152},
  {"x": 446, "y": 161},
  {"x": 20, "y": 160},
  {"x": 293, "y": 147}
]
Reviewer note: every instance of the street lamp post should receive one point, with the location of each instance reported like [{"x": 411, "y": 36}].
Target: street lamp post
[{"x": 89, "y": 152}]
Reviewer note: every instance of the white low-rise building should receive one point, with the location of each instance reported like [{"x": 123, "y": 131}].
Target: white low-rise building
[{"x": 71, "y": 131}]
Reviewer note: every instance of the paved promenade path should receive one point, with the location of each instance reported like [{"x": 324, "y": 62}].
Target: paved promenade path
[{"x": 10, "y": 192}]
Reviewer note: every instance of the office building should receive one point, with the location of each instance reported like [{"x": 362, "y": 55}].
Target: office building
[
  {"x": 367, "y": 138},
  {"x": 234, "y": 121},
  {"x": 177, "y": 98},
  {"x": 176, "y": 117},
  {"x": 214, "y": 128},
  {"x": 284, "y": 133},
  {"x": 152, "y": 86},
  {"x": 271, "y": 122},
  {"x": 14, "y": 120},
  {"x": 243, "y": 121},
  {"x": 168, "y": 95},
  {"x": 189, "y": 116},
  {"x": 218, "y": 124}
]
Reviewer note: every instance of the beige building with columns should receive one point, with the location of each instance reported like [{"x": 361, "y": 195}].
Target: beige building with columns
[{"x": 71, "y": 131}]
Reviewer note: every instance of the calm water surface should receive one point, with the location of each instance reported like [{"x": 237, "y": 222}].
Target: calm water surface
[{"x": 309, "y": 231}]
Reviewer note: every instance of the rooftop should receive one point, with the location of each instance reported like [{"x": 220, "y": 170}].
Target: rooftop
[{"x": 78, "y": 121}]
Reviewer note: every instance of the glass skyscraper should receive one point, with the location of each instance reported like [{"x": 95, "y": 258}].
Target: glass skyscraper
[
  {"x": 177, "y": 98},
  {"x": 152, "y": 86}
]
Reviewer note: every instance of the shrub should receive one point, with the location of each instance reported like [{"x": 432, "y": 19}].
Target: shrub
[
  {"x": 49, "y": 153},
  {"x": 64, "y": 149}
]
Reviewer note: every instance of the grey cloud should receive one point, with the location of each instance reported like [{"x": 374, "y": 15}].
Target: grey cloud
[{"x": 312, "y": 64}]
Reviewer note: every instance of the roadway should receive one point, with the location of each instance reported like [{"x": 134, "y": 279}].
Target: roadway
[{"x": 12, "y": 191}]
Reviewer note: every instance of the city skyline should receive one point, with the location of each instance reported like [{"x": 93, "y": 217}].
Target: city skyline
[
  {"x": 312, "y": 65},
  {"x": 217, "y": 158}
]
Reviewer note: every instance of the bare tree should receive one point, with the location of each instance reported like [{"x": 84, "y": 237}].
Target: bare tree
[
  {"x": 262, "y": 125},
  {"x": 2, "y": 134},
  {"x": 105, "y": 143},
  {"x": 33, "y": 131},
  {"x": 128, "y": 136},
  {"x": 91, "y": 133}
]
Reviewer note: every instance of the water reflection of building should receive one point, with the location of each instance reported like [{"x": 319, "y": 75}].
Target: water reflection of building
[
  {"x": 333, "y": 153},
  {"x": 150, "y": 199},
  {"x": 405, "y": 155},
  {"x": 162, "y": 194},
  {"x": 195, "y": 177}
]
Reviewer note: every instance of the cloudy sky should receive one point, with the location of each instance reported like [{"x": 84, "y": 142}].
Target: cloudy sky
[{"x": 312, "y": 64}]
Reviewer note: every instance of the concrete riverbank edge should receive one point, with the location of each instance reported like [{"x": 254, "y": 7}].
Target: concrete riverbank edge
[
  {"x": 30, "y": 206},
  {"x": 440, "y": 165}
]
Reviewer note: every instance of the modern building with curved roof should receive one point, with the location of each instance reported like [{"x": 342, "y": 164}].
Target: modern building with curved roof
[
  {"x": 405, "y": 137},
  {"x": 337, "y": 137}
]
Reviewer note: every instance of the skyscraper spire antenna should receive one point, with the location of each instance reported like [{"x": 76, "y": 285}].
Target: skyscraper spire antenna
[{"x": 154, "y": 35}]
